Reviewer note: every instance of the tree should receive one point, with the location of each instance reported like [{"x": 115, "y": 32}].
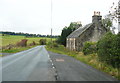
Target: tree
[
  {"x": 107, "y": 23},
  {"x": 114, "y": 14},
  {"x": 42, "y": 41},
  {"x": 89, "y": 48},
  {"x": 67, "y": 31},
  {"x": 108, "y": 49}
]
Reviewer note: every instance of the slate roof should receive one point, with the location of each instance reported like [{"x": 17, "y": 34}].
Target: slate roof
[{"x": 79, "y": 31}]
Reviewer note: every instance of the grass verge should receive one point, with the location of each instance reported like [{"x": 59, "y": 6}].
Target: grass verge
[
  {"x": 91, "y": 59},
  {"x": 16, "y": 49},
  {"x": 1, "y": 55}
]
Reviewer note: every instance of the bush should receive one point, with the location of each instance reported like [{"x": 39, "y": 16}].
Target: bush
[
  {"x": 109, "y": 49},
  {"x": 55, "y": 45},
  {"x": 52, "y": 44},
  {"x": 22, "y": 43},
  {"x": 32, "y": 44},
  {"x": 89, "y": 48},
  {"x": 8, "y": 47},
  {"x": 42, "y": 42}
]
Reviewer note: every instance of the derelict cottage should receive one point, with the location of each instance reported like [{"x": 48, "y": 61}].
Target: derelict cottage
[{"x": 90, "y": 32}]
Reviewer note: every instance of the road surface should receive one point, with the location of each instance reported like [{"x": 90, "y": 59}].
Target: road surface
[
  {"x": 30, "y": 65},
  {"x": 70, "y": 69},
  {"x": 37, "y": 64}
]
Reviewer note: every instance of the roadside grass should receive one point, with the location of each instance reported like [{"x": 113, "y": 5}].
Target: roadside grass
[
  {"x": 12, "y": 39},
  {"x": 16, "y": 49},
  {"x": 91, "y": 59},
  {"x": 1, "y": 55}
]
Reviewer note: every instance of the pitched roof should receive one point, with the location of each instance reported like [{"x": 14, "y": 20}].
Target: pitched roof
[{"x": 79, "y": 31}]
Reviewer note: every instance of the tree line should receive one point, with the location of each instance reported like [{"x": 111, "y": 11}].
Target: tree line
[{"x": 26, "y": 34}]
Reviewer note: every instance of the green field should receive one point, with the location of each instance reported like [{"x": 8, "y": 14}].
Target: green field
[{"x": 10, "y": 39}]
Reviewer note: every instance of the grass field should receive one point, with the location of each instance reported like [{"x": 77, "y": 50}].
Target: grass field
[
  {"x": 10, "y": 39},
  {"x": 91, "y": 59}
]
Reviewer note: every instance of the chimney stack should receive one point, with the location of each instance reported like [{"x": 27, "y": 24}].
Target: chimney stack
[{"x": 96, "y": 18}]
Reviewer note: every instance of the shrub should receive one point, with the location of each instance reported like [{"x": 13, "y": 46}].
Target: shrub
[
  {"x": 33, "y": 43},
  {"x": 22, "y": 43},
  {"x": 89, "y": 48},
  {"x": 42, "y": 42},
  {"x": 8, "y": 47},
  {"x": 55, "y": 45},
  {"x": 52, "y": 44},
  {"x": 109, "y": 49}
]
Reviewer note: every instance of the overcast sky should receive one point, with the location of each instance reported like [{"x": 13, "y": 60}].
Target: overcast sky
[{"x": 34, "y": 16}]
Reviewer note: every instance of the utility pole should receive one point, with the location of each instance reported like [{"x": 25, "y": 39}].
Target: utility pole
[
  {"x": 51, "y": 21},
  {"x": 51, "y": 34}
]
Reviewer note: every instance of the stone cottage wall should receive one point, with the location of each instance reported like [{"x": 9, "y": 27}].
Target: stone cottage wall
[
  {"x": 91, "y": 34},
  {"x": 98, "y": 32},
  {"x": 85, "y": 36},
  {"x": 71, "y": 43}
]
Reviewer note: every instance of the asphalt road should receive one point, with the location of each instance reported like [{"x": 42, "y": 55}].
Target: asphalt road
[
  {"x": 30, "y": 65},
  {"x": 70, "y": 69},
  {"x": 37, "y": 64}
]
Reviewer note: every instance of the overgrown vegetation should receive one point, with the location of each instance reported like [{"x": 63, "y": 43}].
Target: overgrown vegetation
[
  {"x": 89, "y": 48},
  {"x": 109, "y": 49}
]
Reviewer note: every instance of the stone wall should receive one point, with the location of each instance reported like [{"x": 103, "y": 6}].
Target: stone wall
[
  {"x": 85, "y": 36},
  {"x": 93, "y": 33},
  {"x": 71, "y": 43}
]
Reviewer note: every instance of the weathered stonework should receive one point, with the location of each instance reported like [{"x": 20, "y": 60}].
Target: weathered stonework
[{"x": 90, "y": 32}]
